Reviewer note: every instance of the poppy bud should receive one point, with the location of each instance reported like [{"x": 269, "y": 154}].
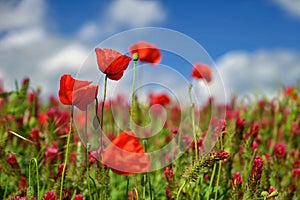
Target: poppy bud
[{"x": 135, "y": 57}]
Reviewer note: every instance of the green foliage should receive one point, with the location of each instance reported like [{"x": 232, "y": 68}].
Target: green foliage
[{"x": 208, "y": 177}]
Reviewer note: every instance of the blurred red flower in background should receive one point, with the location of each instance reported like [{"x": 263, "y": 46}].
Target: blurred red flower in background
[
  {"x": 202, "y": 71},
  {"x": 50, "y": 195},
  {"x": 125, "y": 155},
  {"x": 147, "y": 52},
  {"x": 12, "y": 160},
  {"x": 112, "y": 63},
  {"x": 291, "y": 91},
  {"x": 162, "y": 99},
  {"x": 76, "y": 92}
]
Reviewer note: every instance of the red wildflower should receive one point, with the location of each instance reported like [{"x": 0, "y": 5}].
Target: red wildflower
[
  {"x": 291, "y": 91},
  {"x": 271, "y": 189},
  {"x": 254, "y": 145},
  {"x": 50, "y": 196},
  {"x": 60, "y": 169},
  {"x": 257, "y": 167},
  {"x": 169, "y": 174},
  {"x": 254, "y": 129},
  {"x": 35, "y": 134},
  {"x": 51, "y": 152},
  {"x": 202, "y": 71},
  {"x": 53, "y": 101},
  {"x": 76, "y": 92},
  {"x": 78, "y": 197},
  {"x": 239, "y": 125},
  {"x": 42, "y": 118},
  {"x": 256, "y": 172},
  {"x": 221, "y": 155},
  {"x": 12, "y": 160},
  {"x": 22, "y": 182},
  {"x": 237, "y": 180},
  {"x": 296, "y": 173},
  {"x": 125, "y": 155},
  {"x": 280, "y": 150},
  {"x": 162, "y": 99},
  {"x": 112, "y": 63},
  {"x": 168, "y": 193},
  {"x": 147, "y": 52},
  {"x": 132, "y": 195}
]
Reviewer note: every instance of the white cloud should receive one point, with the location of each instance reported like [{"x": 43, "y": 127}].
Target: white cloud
[
  {"x": 28, "y": 49},
  {"x": 21, "y": 38},
  {"x": 20, "y": 14},
  {"x": 123, "y": 14},
  {"x": 291, "y": 6},
  {"x": 69, "y": 57},
  {"x": 136, "y": 13},
  {"x": 88, "y": 30},
  {"x": 260, "y": 72}
]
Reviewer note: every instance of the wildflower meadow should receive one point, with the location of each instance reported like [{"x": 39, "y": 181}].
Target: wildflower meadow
[{"x": 79, "y": 144}]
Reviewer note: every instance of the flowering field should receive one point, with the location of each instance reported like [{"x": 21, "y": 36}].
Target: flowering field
[{"x": 46, "y": 148}]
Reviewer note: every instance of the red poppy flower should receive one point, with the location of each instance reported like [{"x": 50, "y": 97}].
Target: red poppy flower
[
  {"x": 202, "y": 71},
  {"x": 147, "y": 52},
  {"x": 162, "y": 99},
  {"x": 112, "y": 63},
  {"x": 76, "y": 92},
  {"x": 291, "y": 91},
  {"x": 125, "y": 155}
]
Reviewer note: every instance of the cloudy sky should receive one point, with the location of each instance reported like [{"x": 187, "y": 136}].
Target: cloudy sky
[{"x": 254, "y": 44}]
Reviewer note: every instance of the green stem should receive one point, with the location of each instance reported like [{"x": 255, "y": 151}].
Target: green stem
[
  {"x": 193, "y": 122},
  {"x": 137, "y": 194},
  {"x": 147, "y": 176},
  {"x": 87, "y": 154},
  {"x": 132, "y": 94},
  {"x": 37, "y": 176},
  {"x": 220, "y": 164},
  {"x": 5, "y": 191},
  {"x": 100, "y": 121},
  {"x": 67, "y": 154},
  {"x": 102, "y": 114},
  {"x": 211, "y": 180},
  {"x": 103, "y": 102},
  {"x": 150, "y": 186},
  {"x": 218, "y": 179},
  {"x": 180, "y": 189},
  {"x": 87, "y": 168},
  {"x": 127, "y": 187}
]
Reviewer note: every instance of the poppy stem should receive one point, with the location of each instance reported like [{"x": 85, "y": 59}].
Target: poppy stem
[
  {"x": 135, "y": 59},
  {"x": 193, "y": 122},
  {"x": 103, "y": 102},
  {"x": 147, "y": 176},
  {"x": 127, "y": 187},
  {"x": 88, "y": 146},
  {"x": 67, "y": 154},
  {"x": 102, "y": 114}
]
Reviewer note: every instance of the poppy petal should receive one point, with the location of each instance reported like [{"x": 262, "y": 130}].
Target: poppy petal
[
  {"x": 84, "y": 96},
  {"x": 202, "y": 71},
  {"x": 147, "y": 52},
  {"x": 112, "y": 63},
  {"x": 76, "y": 92},
  {"x": 125, "y": 155}
]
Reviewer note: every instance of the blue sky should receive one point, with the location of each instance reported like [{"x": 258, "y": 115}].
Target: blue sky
[
  {"x": 220, "y": 26},
  {"x": 255, "y": 44}
]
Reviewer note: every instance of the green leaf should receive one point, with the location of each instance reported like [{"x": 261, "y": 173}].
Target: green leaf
[{"x": 5, "y": 94}]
